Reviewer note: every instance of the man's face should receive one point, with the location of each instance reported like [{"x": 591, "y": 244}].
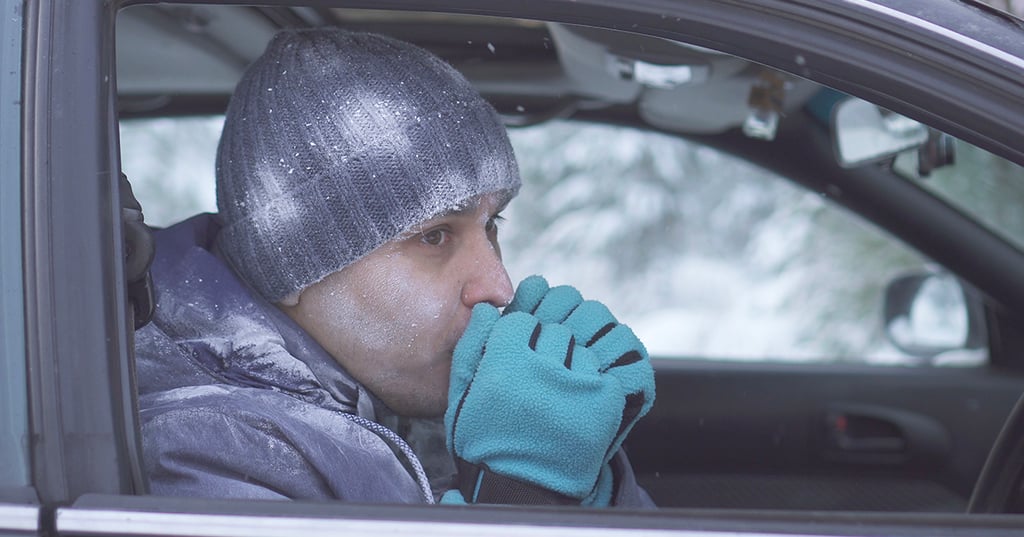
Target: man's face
[{"x": 392, "y": 318}]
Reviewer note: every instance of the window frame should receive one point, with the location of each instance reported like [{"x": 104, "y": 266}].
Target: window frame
[{"x": 77, "y": 343}]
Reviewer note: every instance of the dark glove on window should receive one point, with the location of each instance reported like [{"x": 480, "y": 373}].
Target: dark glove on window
[{"x": 542, "y": 397}]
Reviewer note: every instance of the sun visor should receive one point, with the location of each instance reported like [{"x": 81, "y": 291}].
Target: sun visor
[{"x": 664, "y": 78}]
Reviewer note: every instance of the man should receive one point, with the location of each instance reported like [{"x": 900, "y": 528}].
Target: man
[{"x": 352, "y": 274}]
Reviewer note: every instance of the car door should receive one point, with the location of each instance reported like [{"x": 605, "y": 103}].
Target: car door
[
  {"x": 720, "y": 422},
  {"x": 42, "y": 459}
]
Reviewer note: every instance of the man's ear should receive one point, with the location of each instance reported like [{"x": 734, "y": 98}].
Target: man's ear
[{"x": 291, "y": 300}]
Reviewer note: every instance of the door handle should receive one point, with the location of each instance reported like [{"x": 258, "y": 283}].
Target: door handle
[{"x": 869, "y": 434}]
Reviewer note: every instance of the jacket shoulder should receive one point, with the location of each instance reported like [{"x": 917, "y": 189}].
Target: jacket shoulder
[{"x": 223, "y": 441}]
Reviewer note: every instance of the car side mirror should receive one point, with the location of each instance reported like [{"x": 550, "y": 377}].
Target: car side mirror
[
  {"x": 863, "y": 133},
  {"x": 927, "y": 314}
]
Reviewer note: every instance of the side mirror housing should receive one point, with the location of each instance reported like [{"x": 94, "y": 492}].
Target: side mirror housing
[{"x": 927, "y": 314}]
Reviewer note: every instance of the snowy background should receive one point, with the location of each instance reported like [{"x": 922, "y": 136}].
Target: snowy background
[{"x": 704, "y": 256}]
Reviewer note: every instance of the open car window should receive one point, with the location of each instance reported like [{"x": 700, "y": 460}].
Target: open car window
[{"x": 690, "y": 184}]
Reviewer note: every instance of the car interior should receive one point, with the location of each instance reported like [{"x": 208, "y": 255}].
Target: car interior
[
  {"x": 724, "y": 434},
  {"x": 178, "y": 60}
]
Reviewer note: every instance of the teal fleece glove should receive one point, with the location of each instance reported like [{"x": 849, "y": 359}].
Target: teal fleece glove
[
  {"x": 542, "y": 397},
  {"x": 592, "y": 323}
]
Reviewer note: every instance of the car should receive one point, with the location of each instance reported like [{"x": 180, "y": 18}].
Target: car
[{"x": 812, "y": 212}]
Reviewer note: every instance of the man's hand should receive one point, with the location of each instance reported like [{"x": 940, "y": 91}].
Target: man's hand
[{"x": 542, "y": 397}]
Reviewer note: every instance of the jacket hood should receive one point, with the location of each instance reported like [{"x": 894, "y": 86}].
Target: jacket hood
[{"x": 211, "y": 328}]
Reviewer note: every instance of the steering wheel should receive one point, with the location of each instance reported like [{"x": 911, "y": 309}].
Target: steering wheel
[{"x": 1000, "y": 487}]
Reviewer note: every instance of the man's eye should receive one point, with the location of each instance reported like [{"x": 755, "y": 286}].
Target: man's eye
[
  {"x": 492, "y": 224},
  {"x": 434, "y": 237}
]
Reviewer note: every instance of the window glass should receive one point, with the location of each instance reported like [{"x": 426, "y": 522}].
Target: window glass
[
  {"x": 989, "y": 188},
  {"x": 170, "y": 163},
  {"x": 704, "y": 255},
  {"x": 13, "y": 395}
]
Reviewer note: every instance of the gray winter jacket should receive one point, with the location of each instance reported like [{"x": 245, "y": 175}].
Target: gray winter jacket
[{"x": 237, "y": 401}]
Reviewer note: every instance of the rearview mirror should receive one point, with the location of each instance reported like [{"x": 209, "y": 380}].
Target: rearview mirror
[{"x": 864, "y": 133}]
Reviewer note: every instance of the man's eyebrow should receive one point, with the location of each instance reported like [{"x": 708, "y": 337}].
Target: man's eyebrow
[
  {"x": 466, "y": 207},
  {"x": 472, "y": 205},
  {"x": 463, "y": 208}
]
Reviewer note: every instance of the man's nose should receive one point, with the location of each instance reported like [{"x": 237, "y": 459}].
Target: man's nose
[{"x": 487, "y": 280}]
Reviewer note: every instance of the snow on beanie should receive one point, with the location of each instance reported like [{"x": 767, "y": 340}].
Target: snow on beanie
[{"x": 336, "y": 142}]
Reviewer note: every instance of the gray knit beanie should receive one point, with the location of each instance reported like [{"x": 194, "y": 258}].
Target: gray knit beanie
[{"x": 336, "y": 142}]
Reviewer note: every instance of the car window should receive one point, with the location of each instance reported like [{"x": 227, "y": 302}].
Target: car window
[
  {"x": 13, "y": 398},
  {"x": 704, "y": 255},
  {"x": 721, "y": 259},
  {"x": 710, "y": 259}
]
